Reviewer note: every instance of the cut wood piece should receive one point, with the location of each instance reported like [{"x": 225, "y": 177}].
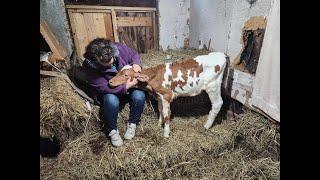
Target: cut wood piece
[
  {"x": 58, "y": 51},
  {"x": 108, "y": 26},
  {"x": 155, "y": 33},
  {"x": 134, "y": 21},
  {"x": 115, "y": 27},
  {"x": 139, "y": 9}
]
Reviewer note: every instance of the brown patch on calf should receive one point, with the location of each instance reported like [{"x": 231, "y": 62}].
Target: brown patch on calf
[
  {"x": 216, "y": 68},
  {"x": 184, "y": 66},
  {"x": 155, "y": 75},
  {"x": 168, "y": 96},
  {"x": 166, "y": 119}
]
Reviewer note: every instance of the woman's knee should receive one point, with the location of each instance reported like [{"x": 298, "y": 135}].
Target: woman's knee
[
  {"x": 111, "y": 100},
  {"x": 138, "y": 96}
]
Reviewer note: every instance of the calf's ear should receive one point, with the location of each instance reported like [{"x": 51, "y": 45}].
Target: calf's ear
[{"x": 141, "y": 77}]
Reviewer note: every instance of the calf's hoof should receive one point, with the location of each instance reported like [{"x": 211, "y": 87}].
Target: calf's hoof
[
  {"x": 207, "y": 126},
  {"x": 166, "y": 135}
]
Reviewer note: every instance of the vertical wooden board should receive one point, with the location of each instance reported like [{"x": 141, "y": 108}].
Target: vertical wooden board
[
  {"x": 150, "y": 33},
  {"x": 108, "y": 26},
  {"x": 114, "y": 25},
  {"x": 151, "y": 40},
  {"x": 155, "y": 33},
  {"x": 58, "y": 51},
  {"x": 88, "y": 17},
  {"x": 74, "y": 31},
  {"x": 143, "y": 38},
  {"x": 80, "y": 27},
  {"x": 134, "y": 33},
  {"x": 99, "y": 27},
  {"x": 146, "y": 32}
]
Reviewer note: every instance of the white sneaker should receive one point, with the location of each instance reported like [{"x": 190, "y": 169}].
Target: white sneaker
[
  {"x": 131, "y": 129},
  {"x": 115, "y": 138}
]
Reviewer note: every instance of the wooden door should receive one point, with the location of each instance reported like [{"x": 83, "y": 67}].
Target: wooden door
[{"x": 88, "y": 25}]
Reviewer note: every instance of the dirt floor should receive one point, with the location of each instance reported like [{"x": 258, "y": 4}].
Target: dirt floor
[{"x": 248, "y": 148}]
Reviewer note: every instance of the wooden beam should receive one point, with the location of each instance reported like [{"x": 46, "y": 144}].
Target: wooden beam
[
  {"x": 155, "y": 33},
  {"x": 139, "y": 9},
  {"x": 79, "y": 32},
  {"x": 134, "y": 21},
  {"x": 114, "y": 24},
  {"x": 58, "y": 51},
  {"x": 89, "y": 10},
  {"x": 108, "y": 26}
]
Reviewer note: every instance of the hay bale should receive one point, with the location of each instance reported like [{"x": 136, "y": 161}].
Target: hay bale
[{"x": 63, "y": 113}]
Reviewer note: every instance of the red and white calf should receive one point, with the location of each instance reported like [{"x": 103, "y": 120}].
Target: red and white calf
[{"x": 184, "y": 78}]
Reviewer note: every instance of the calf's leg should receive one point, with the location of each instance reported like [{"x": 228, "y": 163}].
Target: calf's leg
[
  {"x": 160, "y": 112},
  {"x": 216, "y": 103},
  {"x": 166, "y": 116}
]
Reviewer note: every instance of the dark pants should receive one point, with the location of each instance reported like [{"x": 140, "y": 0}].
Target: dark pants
[{"x": 111, "y": 107}]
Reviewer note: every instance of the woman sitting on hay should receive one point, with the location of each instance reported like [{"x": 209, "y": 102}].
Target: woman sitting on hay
[{"x": 103, "y": 60}]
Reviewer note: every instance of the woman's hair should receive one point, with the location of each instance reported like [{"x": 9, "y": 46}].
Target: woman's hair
[{"x": 100, "y": 49}]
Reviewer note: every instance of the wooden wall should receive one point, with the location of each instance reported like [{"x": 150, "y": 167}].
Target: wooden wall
[
  {"x": 133, "y": 26},
  {"x": 127, "y": 3}
]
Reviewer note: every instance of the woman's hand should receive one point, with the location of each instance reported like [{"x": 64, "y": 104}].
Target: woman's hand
[
  {"x": 130, "y": 83},
  {"x": 136, "y": 68}
]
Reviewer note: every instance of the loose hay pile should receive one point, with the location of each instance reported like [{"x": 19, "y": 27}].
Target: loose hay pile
[
  {"x": 248, "y": 148},
  {"x": 63, "y": 113},
  {"x": 157, "y": 57}
]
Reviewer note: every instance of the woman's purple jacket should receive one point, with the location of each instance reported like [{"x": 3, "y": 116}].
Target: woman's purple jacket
[{"x": 98, "y": 77}]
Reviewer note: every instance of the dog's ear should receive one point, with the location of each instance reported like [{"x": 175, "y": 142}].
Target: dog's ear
[{"x": 141, "y": 77}]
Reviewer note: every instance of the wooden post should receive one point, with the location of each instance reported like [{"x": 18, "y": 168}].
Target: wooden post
[
  {"x": 58, "y": 51},
  {"x": 114, "y": 24},
  {"x": 155, "y": 33}
]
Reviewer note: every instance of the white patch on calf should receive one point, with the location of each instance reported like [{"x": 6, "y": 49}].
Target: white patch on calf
[
  {"x": 126, "y": 67},
  {"x": 165, "y": 113},
  {"x": 179, "y": 77},
  {"x": 166, "y": 75},
  {"x": 166, "y": 131}
]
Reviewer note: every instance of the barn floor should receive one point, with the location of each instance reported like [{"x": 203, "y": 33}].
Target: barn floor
[{"x": 246, "y": 148}]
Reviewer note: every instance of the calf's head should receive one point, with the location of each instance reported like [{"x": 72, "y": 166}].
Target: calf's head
[{"x": 125, "y": 74}]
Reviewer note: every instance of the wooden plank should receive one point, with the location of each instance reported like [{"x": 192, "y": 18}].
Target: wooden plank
[
  {"x": 114, "y": 24},
  {"x": 88, "y": 18},
  {"x": 57, "y": 50},
  {"x": 111, "y": 8},
  {"x": 74, "y": 32},
  {"x": 148, "y": 42},
  {"x": 242, "y": 87},
  {"x": 155, "y": 33},
  {"x": 82, "y": 34},
  {"x": 108, "y": 26},
  {"x": 134, "y": 21},
  {"x": 98, "y": 25},
  {"x": 98, "y": 21},
  {"x": 89, "y": 10},
  {"x": 127, "y": 3}
]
